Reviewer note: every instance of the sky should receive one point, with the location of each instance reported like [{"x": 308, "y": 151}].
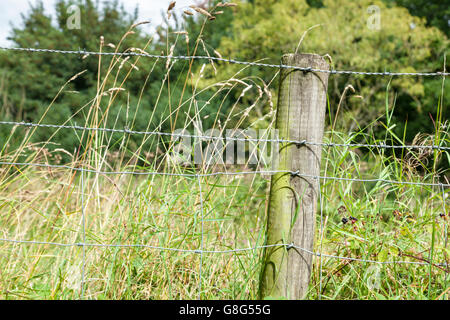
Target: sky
[{"x": 10, "y": 11}]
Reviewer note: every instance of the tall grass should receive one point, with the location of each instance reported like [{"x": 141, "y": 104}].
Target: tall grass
[{"x": 394, "y": 222}]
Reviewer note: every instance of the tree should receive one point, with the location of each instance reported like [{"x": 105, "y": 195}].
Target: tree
[
  {"x": 267, "y": 29},
  {"x": 437, "y": 12},
  {"x": 32, "y": 81}
]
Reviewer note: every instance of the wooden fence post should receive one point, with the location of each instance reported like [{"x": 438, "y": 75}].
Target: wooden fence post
[{"x": 293, "y": 199}]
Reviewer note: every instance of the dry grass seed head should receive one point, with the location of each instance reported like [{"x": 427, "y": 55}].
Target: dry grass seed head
[
  {"x": 227, "y": 4},
  {"x": 171, "y": 6},
  {"x": 201, "y": 11},
  {"x": 139, "y": 23},
  {"x": 418, "y": 157}
]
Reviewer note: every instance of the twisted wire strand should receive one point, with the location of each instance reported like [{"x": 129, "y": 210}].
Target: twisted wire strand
[
  {"x": 220, "y": 173},
  {"x": 233, "y": 61},
  {"x": 232, "y": 138},
  {"x": 196, "y": 251}
]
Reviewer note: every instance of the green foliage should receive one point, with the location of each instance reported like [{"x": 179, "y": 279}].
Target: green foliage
[
  {"x": 32, "y": 81},
  {"x": 437, "y": 12},
  {"x": 164, "y": 211},
  {"x": 268, "y": 29},
  {"x": 151, "y": 91}
]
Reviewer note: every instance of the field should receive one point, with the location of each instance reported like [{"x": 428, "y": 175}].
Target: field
[
  {"x": 218, "y": 213},
  {"x": 116, "y": 218}
]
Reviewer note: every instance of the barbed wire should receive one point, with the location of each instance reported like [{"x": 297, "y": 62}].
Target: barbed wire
[
  {"x": 231, "y": 138},
  {"x": 296, "y": 173},
  {"x": 201, "y": 251},
  {"x": 232, "y": 61},
  {"x": 197, "y": 251},
  {"x": 147, "y": 173},
  {"x": 220, "y": 173}
]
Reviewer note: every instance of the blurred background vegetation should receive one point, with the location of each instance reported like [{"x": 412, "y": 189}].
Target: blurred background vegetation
[
  {"x": 413, "y": 38},
  {"x": 167, "y": 211}
]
